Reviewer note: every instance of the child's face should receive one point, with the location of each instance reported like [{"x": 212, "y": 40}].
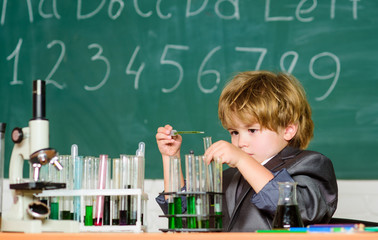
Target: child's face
[{"x": 259, "y": 143}]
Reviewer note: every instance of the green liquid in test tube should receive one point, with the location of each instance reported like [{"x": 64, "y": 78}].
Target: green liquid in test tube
[
  {"x": 171, "y": 211},
  {"x": 88, "y": 220},
  {"x": 54, "y": 207},
  {"x": 218, "y": 220},
  {"x": 191, "y": 209},
  {"x": 178, "y": 204}
]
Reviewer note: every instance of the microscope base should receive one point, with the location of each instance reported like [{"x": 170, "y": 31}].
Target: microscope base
[
  {"x": 38, "y": 226},
  {"x": 18, "y": 220}
]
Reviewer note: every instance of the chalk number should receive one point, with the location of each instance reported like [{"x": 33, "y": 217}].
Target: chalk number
[{"x": 169, "y": 60}]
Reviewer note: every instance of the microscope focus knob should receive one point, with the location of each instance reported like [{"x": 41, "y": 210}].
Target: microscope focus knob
[{"x": 17, "y": 135}]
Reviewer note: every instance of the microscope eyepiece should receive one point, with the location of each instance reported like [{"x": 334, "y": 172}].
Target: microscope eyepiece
[{"x": 39, "y": 99}]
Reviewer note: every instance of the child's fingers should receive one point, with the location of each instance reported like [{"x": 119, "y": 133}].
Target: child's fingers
[
  {"x": 211, "y": 152},
  {"x": 166, "y": 130},
  {"x": 164, "y": 133}
]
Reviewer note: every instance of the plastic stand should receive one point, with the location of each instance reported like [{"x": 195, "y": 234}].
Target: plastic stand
[
  {"x": 141, "y": 198},
  {"x": 211, "y": 216}
]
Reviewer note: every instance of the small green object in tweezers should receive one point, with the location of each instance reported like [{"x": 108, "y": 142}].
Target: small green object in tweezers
[{"x": 175, "y": 133}]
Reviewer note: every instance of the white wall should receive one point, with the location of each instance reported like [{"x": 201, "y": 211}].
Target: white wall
[
  {"x": 357, "y": 200},
  {"x": 154, "y": 222}
]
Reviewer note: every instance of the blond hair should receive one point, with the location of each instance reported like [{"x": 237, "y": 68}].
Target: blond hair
[{"x": 272, "y": 100}]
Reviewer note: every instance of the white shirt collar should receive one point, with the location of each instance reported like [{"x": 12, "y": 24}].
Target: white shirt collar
[{"x": 266, "y": 161}]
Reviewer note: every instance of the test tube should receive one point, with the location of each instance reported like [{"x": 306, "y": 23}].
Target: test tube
[
  {"x": 107, "y": 211},
  {"x": 175, "y": 186},
  {"x": 126, "y": 169},
  {"x": 88, "y": 184},
  {"x": 70, "y": 180},
  {"x": 210, "y": 168},
  {"x": 130, "y": 176},
  {"x": 141, "y": 167},
  {"x": 116, "y": 184},
  {"x": 54, "y": 176},
  {"x": 198, "y": 180},
  {"x": 140, "y": 153},
  {"x": 133, "y": 173},
  {"x": 136, "y": 182},
  {"x": 218, "y": 179},
  {"x": 95, "y": 170},
  {"x": 190, "y": 187},
  {"x": 101, "y": 185},
  {"x": 78, "y": 172},
  {"x": 202, "y": 186},
  {"x": 66, "y": 212}
]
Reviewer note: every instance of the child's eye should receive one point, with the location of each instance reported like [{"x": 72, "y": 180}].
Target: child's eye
[
  {"x": 234, "y": 133},
  {"x": 252, "y": 130}
]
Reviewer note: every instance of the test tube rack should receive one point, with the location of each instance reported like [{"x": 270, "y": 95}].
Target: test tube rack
[
  {"x": 141, "y": 204},
  {"x": 211, "y": 216}
]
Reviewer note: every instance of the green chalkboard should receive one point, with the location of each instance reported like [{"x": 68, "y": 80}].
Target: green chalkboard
[{"x": 117, "y": 70}]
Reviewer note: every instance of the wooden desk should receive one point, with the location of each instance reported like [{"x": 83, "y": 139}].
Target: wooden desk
[{"x": 188, "y": 236}]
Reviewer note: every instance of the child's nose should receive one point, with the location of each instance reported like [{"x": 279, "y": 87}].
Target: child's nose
[{"x": 243, "y": 142}]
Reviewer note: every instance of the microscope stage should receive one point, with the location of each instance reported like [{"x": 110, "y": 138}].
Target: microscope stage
[{"x": 37, "y": 186}]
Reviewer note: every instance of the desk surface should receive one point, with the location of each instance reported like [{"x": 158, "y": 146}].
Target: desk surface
[{"x": 189, "y": 236}]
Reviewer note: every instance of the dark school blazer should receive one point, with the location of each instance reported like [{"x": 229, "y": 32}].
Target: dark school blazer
[{"x": 316, "y": 191}]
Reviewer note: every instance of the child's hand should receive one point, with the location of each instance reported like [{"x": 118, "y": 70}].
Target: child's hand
[
  {"x": 229, "y": 154},
  {"x": 168, "y": 145}
]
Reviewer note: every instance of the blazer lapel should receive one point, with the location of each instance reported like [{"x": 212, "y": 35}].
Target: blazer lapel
[
  {"x": 282, "y": 159},
  {"x": 243, "y": 192},
  {"x": 231, "y": 192},
  {"x": 237, "y": 200}
]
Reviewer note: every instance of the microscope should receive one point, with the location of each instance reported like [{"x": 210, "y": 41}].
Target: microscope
[{"x": 27, "y": 213}]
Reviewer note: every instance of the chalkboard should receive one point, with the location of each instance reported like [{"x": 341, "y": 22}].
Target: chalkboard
[{"x": 117, "y": 70}]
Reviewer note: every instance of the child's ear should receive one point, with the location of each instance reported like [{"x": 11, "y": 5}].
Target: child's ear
[{"x": 290, "y": 131}]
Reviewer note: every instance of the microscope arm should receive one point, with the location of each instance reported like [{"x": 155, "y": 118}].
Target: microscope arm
[{"x": 20, "y": 152}]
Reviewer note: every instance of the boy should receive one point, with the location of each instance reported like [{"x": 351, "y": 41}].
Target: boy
[{"x": 269, "y": 120}]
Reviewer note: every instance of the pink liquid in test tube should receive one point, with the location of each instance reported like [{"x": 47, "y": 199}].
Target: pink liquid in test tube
[{"x": 101, "y": 185}]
